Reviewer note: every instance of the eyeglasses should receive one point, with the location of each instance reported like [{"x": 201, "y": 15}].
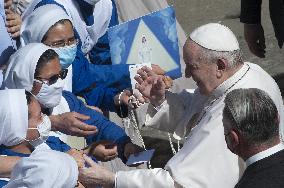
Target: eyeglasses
[
  {"x": 53, "y": 79},
  {"x": 62, "y": 43}
]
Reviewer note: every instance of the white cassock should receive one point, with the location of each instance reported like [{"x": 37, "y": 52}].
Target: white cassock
[{"x": 204, "y": 160}]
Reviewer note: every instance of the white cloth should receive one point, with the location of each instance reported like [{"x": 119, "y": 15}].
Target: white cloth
[
  {"x": 89, "y": 35},
  {"x": 204, "y": 160},
  {"x": 215, "y": 36},
  {"x": 45, "y": 169},
  {"x": 264, "y": 154},
  {"x": 1, "y": 78},
  {"x": 13, "y": 116},
  {"x": 20, "y": 75},
  {"x": 68, "y": 80},
  {"x": 22, "y": 64}
]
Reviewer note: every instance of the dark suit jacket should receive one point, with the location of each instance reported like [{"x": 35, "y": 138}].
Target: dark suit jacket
[
  {"x": 251, "y": 14},
  {"x": 265, "y": 173}
]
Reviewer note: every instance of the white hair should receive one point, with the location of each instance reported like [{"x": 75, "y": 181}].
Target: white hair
[{"x": 234, "y": 58}]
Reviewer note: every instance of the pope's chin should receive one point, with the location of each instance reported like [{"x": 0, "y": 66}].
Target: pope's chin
[{"x": 203, "y": 90}]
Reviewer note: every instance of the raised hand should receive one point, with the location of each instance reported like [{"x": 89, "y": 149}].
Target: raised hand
[
  {"x": 157, "y": 69},
  {"x": 150, "y": 85}
]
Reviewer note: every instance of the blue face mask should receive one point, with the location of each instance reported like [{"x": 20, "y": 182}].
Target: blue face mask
[{"x": 66, "y": 55}]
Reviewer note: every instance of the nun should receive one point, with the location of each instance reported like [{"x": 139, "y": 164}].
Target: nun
[
  {"x": 90, "y": 18},
  {"x": 23, "y": 126},
  {"x": 36, "y": 68}
]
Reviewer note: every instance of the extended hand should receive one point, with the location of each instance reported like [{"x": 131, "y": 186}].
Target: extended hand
[
  {"x": 71, "y": 123},
  {"x": 254, "y": 36},
  {"x": 103, "y": 150},
  {"x": 95, "y": 175}
]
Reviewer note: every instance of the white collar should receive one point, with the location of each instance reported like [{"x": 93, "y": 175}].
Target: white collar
[{"x": 264, "y": 154}]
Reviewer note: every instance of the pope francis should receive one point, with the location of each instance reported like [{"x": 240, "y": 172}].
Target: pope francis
[{"x": 213, "y": 59}]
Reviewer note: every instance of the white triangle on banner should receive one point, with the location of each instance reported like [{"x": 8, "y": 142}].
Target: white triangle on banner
[{"x": 150, "y": 50}]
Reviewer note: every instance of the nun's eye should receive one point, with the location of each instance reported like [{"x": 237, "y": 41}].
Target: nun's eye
[
  {"x": 62, "y": 43},
  {"x": 53, "y": 79}
]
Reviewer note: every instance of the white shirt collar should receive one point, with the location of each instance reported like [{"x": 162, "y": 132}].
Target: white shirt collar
[{"x": 264, "y": 154}]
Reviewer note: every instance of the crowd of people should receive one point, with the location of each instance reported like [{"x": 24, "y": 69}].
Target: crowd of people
[{"x": 56, "y": 80}]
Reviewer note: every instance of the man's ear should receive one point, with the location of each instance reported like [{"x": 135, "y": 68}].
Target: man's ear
[
  {"x": 234, "y": 138},
  {"x": 222, "y": 65}
]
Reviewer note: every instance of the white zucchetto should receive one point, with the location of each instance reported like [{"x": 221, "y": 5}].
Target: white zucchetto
[{"x": 215, "y": 36}]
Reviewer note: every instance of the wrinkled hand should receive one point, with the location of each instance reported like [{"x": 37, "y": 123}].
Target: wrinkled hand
[
  {"x": 14, "y": 22},
  {"x": 168, "y": 81},
  {"x": 78, "y": 156},
  {"x": 157, "y": 69},
  {"x": 254, "y": 36},
  {"x": 131, "y": 148},
  {"x": 95, "y": 175},
  {"x": 150, "y": 85},
  {"x": 103, "y": 150},
  {"x": 71, "y": 123}
]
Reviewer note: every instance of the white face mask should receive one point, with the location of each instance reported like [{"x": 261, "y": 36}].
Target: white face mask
[
  {"x": 50, "y": 95},
  {"x": 43, "y": 128}
]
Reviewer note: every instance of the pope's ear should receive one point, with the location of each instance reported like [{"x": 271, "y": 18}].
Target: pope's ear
[{"x": 222, "y": 64}]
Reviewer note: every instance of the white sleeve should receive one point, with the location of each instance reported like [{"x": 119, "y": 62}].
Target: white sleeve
[
  {"x": 167, "y": 116},
  {"x": 102, "y": 16},
  {"x": 151, "y": 178}
]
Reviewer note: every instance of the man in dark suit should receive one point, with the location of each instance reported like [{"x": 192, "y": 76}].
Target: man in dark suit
[
  {"x": 253, "y": 31},
  {"x": 251, "y": 128}
]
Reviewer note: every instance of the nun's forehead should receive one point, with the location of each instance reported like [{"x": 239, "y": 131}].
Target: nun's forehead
[{"x": 61, "y": 29}]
